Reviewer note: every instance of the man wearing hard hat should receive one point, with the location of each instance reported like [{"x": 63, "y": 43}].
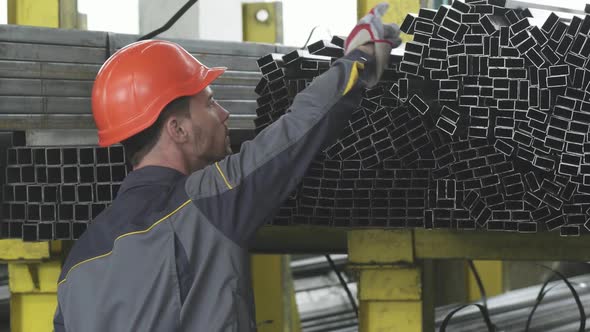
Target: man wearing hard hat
[{"x": 171, "y": 252}]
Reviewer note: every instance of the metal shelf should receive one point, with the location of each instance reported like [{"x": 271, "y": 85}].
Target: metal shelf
[{"x": 426, "y": 244}]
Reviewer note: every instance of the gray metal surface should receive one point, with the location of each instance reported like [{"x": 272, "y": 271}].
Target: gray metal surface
[
  {"x": 323, "y": 305},
  {"x": 47, "y": 70},
  {"x": 535, "y": 5},
  {"x": 61, "y": 137},
  {"x": 66, "y": 37},
  {"x": 233, "y": 62},
  {"x": 322, "y": 302},
  {"x": 46, "y": 75},
  {"x": 85, "y": 121},
  {"x": 51, "y": 53},
  {"x": 117, "y": 41},
  {"x": 510, "y": 311}
]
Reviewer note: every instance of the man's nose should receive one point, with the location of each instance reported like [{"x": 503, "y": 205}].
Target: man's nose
[{"x": 223, "y": 113}]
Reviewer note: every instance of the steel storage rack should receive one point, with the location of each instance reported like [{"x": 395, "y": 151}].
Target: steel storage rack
[
  {"x": 480, "y": 124},
  {"x": 45, "y": 81}
]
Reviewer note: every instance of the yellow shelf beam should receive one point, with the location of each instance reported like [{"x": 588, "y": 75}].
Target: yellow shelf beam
[
  {"x": 492, "y": 278},
  {"x": 33, "y": 295},
  {"x": 390, "y": 283},
  {"x": 262, "y": 22},
  {"x": 431, "y": 244},
  {"x": 17, "y": 250},
  {"x": 482, "y": 245},
  {"x": 45, "y": 13},
  {"x": 274, "y": 294},
  {"x": 41, "y": 13}
]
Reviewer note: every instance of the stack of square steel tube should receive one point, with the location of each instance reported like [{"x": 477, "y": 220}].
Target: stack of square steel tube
[
  {"x": 54, "y": 192},
  {"x": 483, "y": 122}
]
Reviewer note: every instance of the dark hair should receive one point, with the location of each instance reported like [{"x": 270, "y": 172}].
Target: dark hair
[{"x": 140, "y": 144}]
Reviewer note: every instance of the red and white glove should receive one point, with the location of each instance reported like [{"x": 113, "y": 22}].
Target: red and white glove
[{"x": 370, "y": 29}]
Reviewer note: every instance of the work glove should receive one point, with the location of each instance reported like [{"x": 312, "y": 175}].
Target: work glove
[{"x": 370, "y": 29}]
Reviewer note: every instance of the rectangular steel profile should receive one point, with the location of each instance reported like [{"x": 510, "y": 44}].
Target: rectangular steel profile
[
  {"x": 53, "y": 156},
  {"x": 30, "y": 233},
  {"x": 84, "y": 193},
  {"x": 70, "y": 174},
  {"x": 101, "y": 155},
  {"x": 63, "y": 230},
  {"x": 46, "y": 231},
  {"x": 78, "y": 228},
  {"x": 54, "y": 175},
  {"x": 69, "y": 156}
]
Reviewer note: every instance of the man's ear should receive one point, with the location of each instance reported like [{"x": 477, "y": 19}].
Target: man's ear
[{"x": 175, "y": 128}]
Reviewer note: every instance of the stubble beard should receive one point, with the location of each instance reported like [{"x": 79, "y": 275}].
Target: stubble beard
[{"x": 228, "y": 149}]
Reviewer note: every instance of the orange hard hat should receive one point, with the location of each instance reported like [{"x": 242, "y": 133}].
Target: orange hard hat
[{"x": 135, "y": 84}]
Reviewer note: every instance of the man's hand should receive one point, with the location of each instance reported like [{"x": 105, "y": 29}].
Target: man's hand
[
  {"x": 368, "y": 48},
  {"x": 373, "y": 37}
]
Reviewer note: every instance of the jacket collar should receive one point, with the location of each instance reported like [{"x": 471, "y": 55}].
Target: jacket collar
[{"x": 150, "y": 175}]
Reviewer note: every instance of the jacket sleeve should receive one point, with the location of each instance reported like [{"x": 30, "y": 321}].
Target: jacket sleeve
[
  {"x": 239, "y": 192},
  {"x": 58, "y": 321}
]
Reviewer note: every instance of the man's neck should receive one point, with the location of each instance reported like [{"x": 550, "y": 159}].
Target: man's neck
[{"x": 172, "y": 159}]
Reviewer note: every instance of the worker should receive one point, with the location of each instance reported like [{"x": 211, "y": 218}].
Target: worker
[{"x": 171, "y": 252}]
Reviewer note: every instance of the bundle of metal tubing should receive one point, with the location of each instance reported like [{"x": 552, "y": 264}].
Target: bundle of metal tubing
[
  {"x": 509, "y": 312},
  {"x": 483, "y": 122},
  {"x": 322, "y": 302},
  {"x": 52, "y": 193}
]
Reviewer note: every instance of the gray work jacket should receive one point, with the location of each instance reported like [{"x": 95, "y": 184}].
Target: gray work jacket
[{"x": 171, "y": 252}]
